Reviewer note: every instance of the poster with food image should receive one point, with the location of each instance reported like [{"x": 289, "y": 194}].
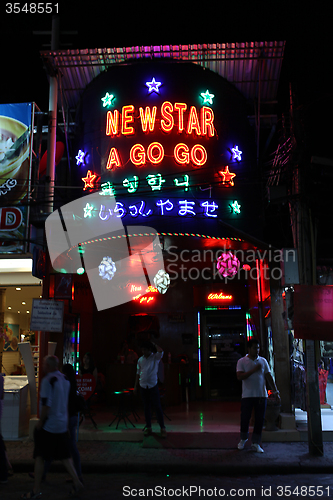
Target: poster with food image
[
  {"x": 13, "y": 335},
  {"x": 15, "y": 167}
]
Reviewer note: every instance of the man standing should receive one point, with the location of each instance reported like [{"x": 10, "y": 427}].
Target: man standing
[
  {"x": 146, "y": 377},
  {"x": 253, "y": 371},
  {"x": 51, "y": 433}
]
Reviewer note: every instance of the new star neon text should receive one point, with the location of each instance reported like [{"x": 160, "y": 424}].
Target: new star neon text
[{"x": 171, "y": 116}]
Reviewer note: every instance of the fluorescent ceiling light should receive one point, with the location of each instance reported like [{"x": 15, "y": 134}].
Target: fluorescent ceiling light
[{"x": 15, "y": 265}]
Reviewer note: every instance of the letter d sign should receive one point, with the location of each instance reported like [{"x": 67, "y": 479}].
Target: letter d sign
[{"x": 10, "y": 218}]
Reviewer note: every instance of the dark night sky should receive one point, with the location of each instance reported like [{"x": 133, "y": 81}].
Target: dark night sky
[{"x": 306, "y": 30}]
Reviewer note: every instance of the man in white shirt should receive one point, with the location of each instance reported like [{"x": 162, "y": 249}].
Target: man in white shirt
[
  {"x": 253, "y": 371},
  {"x": 51, "y": 436},
  {"x": 146, "y": 377}
]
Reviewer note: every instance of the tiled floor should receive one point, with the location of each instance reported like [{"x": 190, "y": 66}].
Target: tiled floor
[{"x": 196, "y": 416}]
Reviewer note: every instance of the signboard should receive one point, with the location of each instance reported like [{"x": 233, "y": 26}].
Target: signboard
[
  {"x": 15, "y": 159},
  {"x": 86, "y": 385},
  {"x": 172, "y": 143},
  {"x": 313, "y": 312},
  {"x": 47, "y": 315},
  {"x": 230, "y": 295}
]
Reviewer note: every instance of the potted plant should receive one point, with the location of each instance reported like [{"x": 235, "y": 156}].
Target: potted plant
[{"x": 272, "y": 412}]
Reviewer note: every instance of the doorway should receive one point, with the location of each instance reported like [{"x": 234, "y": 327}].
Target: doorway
[{"x": 225, "y": 344}]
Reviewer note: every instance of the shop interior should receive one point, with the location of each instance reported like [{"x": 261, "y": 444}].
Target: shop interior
[{"x": 17, "y": 307}]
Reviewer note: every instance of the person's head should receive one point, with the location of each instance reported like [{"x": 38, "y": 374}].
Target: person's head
[
  {"x": 253, "y": 348},
  {"x": 88, "y": 361},
  {"x": 68, "y": 370},
  {"x": 124, "y": 347},
  {"x": 50, "y": 364},
  {"x": 147, "y": 348}
]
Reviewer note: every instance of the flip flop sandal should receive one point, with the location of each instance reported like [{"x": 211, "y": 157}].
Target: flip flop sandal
[
  {"x": 31, "y": 495},
  {"x": 75, "y": 492}
]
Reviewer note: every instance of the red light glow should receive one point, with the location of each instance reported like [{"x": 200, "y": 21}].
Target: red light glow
[
  {"x": 202, "y": 124},
  {"x": 148, "y": 118},
  {"x": 219, "y": 296},
  {"x": 113, "y": 160},
  {"x": 89, "y": 180}
]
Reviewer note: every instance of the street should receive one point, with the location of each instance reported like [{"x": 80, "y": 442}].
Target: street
[{"x": 121, "y": 486}]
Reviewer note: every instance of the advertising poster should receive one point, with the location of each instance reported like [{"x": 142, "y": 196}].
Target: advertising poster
[
  {"x": 15, "y": 152},
  {"x": 12, "y": 332}
]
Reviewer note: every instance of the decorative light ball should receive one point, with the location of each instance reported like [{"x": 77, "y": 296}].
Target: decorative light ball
[
  {"x": 107, "y": 268},
  {"x": 227, "y": 265},
  {"x": 162, "y": 281}
]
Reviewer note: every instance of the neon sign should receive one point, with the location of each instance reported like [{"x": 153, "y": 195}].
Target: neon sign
[
  {"x": 107, "y": 100},
  {"x": 176, "y": 116},
  {"x": 89, "y": 180},
  {"x": 143, "y": 298},
  {"x": 236, "y": 153},
  {"x": 227, "y": 176},
  {"x": 155, "y": 181},
  {"x": 219, "y": 296},
  {"x": 235, "y": 207},
  {"x": 80, "y": 157},
  {"x": 185, "y": 208},
  {"x": 201, "y": 123},
  {"x": 153, "y": 86},
  {"x": 207, "y": 97}
]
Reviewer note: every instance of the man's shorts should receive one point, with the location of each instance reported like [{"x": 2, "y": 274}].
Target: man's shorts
[{"x": 51, "y": 446}]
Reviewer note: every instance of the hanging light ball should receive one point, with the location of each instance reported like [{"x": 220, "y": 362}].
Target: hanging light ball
[
  {"x": 107, "y": 268},
  {"x": 162, "y": 281},
  {"x": 227, "y": 265}
]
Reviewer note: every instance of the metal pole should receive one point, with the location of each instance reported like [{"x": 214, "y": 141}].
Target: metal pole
[
  {"x": 52, "y": 125},
  {"x": 50, "y": 179}
]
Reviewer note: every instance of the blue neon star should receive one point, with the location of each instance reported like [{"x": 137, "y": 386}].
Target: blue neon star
[
  {"x": 236, "y": 153},
  {"x": 80, "y": 157},
  {"x": 153, "y": 86},
  {"x": 207, "y": 97},
  {"x": 107, "y": 100}
]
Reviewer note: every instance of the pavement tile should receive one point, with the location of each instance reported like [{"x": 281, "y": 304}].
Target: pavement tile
[{"x": 110, "y": 456}]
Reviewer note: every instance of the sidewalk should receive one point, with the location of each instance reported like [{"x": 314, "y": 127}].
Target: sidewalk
[
  {"x": 202, "y": 438},
  {"x": 108, "y": 456}
]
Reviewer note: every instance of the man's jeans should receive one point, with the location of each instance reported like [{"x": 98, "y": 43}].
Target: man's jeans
[
  {"x": 152, "y": 397},
  {"x": 259, "y": 406}
]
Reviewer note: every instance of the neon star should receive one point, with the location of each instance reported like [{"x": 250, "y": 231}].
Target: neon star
[
  {"x": 236, "y": 153},
  {"x": 227, "y": 176},
  {"x": 107, "y": 100},
  {"x": 89, "y": 180},
  {"x": 87, "y": 210},
  {"x": 236, "y": 207},
  {"x": 80, "y": 157},
  {"x": 207, "y": 97},
  {"x": 153, "y": 86}
]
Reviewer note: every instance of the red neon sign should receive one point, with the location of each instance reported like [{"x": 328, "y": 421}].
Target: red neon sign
[
  {"x": 192, "y": 122},
  {"x": 143, "y": 299},
  {"x": 89, "y": 180},
  {"x": 202, "y": 124},
  {"x": 219, "y": 296}
]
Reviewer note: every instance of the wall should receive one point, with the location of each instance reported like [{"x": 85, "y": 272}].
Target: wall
[{"x": 21, "y": 319}]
